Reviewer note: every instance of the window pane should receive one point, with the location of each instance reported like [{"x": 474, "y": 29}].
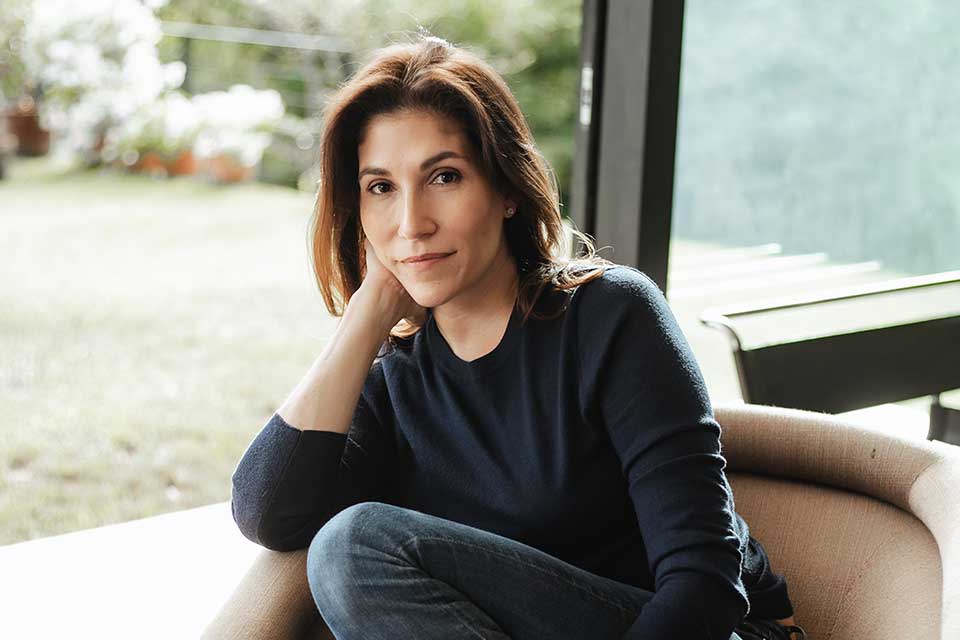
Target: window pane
[{"x": 816, "y": 149}]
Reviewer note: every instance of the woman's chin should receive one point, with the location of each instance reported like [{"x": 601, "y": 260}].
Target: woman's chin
[
  {"x": 427, "y": 301},
  {"x": 426, "y": 296}
]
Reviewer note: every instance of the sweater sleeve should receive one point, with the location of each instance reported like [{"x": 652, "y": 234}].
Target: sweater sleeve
[
  {"x": 642, "y": 383},
  {"x": 290, "y": 482},
  {"x": 769, "y": 596}
]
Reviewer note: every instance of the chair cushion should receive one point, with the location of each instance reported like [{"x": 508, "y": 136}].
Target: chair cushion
[{"x": 856, "y": 567}]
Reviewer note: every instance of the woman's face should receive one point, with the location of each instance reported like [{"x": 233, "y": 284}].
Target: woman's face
[{"x": 421, "y": 192}]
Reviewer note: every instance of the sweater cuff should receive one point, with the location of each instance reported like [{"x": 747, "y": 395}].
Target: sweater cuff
[
  {"x": 773, "y": 601},
  {"x": 693, "y": 608},
  {"x": 768, "y": 590}
]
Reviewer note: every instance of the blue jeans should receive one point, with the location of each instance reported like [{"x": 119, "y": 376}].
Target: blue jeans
[{"x": 381, "y": 571}]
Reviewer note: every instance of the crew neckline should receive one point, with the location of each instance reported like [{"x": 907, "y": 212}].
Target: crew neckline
[{"x": 483, "y": 365}]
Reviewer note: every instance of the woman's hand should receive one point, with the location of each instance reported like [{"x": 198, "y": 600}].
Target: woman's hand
[
  {"x": 395, "y": 302},
  {"x": 788, "y": 622}
]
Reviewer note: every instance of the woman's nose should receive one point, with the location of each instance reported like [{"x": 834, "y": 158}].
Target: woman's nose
[{"x": 415, "y": 218}]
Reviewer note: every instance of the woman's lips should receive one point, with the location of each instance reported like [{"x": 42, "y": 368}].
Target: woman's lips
[{"x": 421, "y": 265}]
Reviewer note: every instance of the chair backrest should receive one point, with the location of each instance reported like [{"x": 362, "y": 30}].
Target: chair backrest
[{"x": 865, "y": 526}]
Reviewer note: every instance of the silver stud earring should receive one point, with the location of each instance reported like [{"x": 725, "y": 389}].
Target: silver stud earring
[{"x": 510, "y": 212}]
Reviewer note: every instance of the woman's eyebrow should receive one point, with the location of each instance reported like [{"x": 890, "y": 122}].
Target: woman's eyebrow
[{"x": 443, "y": 155}]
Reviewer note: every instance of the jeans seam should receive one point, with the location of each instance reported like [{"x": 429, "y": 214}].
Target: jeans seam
[{"x": 486, "y": 549}]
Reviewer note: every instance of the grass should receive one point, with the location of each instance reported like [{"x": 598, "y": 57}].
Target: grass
[{"x": 148, "y": 329}]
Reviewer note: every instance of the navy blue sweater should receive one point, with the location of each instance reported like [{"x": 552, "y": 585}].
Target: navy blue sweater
[{"x": 590, "y": 437}]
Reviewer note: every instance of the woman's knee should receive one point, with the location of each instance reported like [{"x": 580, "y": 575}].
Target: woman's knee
[
  {"x": 332, "y": 553},
  {"x": 349, "y": 525}
]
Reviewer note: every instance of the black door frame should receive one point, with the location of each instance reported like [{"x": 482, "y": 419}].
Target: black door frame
[{"x": 625, "y": 143}]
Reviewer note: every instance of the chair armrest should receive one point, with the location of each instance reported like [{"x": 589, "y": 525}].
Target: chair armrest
[
  {"x": 919, "y": 476},
  {"x": 272, "y": 601}
]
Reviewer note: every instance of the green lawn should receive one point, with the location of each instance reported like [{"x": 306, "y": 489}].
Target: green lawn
[{"x": 148, "y": 329}]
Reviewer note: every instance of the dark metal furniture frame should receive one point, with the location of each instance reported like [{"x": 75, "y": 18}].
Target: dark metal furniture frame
[{"x": 852, "y": 369}]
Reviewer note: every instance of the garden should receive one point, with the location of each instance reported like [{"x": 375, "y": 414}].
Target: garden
[{"x": 156, "y": 177}]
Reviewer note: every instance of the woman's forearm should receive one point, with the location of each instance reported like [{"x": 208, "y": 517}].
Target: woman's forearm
[{"x": 326, "y": 397}]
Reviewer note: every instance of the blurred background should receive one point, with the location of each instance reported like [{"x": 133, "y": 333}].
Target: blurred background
[
  {"x": 157, "y": 169},
  {"x": 158, "y": 165}
]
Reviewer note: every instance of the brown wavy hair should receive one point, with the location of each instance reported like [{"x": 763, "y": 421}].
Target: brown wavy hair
[{"x": 432, "y": 75}]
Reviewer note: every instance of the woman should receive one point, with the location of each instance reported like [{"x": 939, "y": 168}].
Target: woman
[{"x": 497, "y": 442}]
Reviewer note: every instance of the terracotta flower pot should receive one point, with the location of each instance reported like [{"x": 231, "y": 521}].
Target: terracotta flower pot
[
  {"x": 223, "y": 168},
  {"x": 23, "y": 121},
  {"x": 150, "y": 162},
  {"x": 184, "y": 164}
]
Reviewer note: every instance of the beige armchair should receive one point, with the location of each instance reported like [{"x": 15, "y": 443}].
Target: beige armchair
[{"x": 864, "y": 525}]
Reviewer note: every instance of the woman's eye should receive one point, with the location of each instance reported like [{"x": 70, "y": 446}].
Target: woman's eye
[
  {"x": 454, "y": 174},
  {"x": 445, "y": 177}
]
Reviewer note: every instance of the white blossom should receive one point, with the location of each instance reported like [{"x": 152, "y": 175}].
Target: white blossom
[
  {"x": 97, "y": 64},
  {"x": 168, "y": 125},
  {"x": 237, "y": 122}
]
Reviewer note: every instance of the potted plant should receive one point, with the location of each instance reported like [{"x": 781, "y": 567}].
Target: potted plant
[
  {"x": 23, "y": 122},
  {"x": 237, "y": 127},
  {"x": 157, "y": 139},
  {"x": 19, "y": 93},
  {"x": 96, "y": 64}
]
